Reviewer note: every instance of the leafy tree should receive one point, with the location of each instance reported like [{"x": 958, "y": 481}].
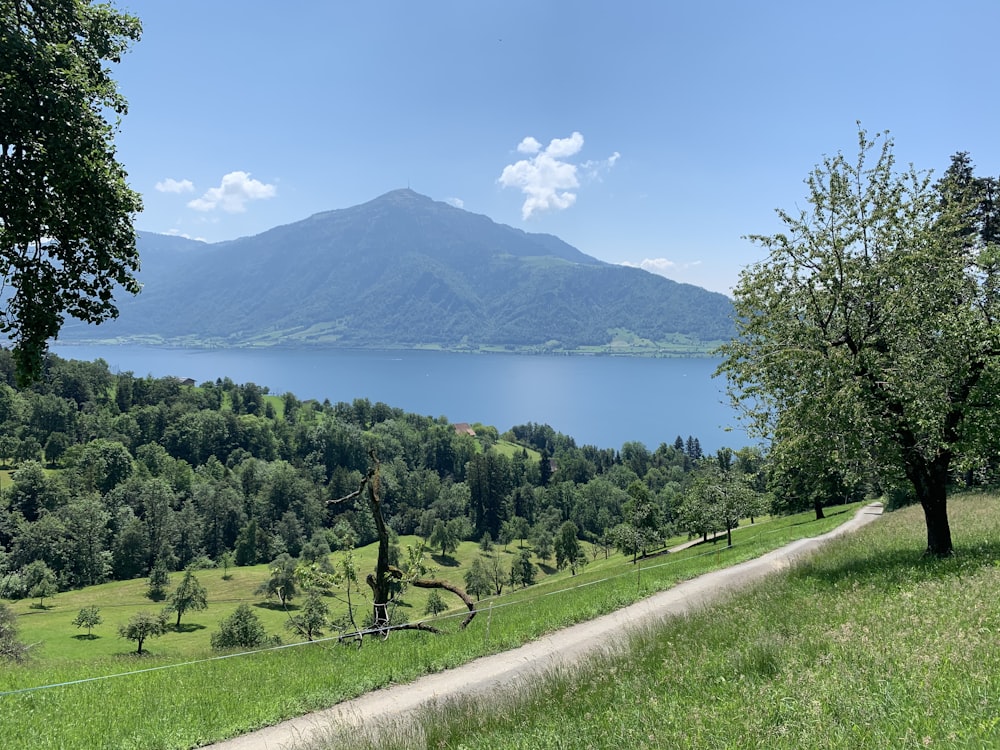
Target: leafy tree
[
  {"x": 477, "y": 579},
  {"x": 89, "y": 617},
  {"x": 312, "y": 619},
  {"x": 65, "y": 208},
  {"x": 189, "y": 595},
  {"x": 719, "y": 498},
  {"x": 242, "y": 629},
  {"x": 543, "y": 544},
  {"x": 56, "y": 446},
  {"x": 486, "y": 543},
  {"x": 40, "y": 581},
  {"x": 443, "y": 536},
  {"x": 435, "y": 604},
  {"x": 517, "y": 527},
  {"x": 567, "y": 546},
  {"x": 143, "y": 625},
  {"x": 158, "y": 580},
  {"x": 227, "y": 559},
  {"x": 281, "y": 582},
  {"x": 497, "y": 575},
  {"x": 872, "y": 324},
  {"x": 11, "y": 648},
  {"x": 522, "y": 570}
]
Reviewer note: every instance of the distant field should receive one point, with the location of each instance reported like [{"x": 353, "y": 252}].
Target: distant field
[{"x": 179, "y": 696}]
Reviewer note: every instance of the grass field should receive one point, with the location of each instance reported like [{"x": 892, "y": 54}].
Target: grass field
[
  {"x": 866, "y": 645},
  {"x": 180, "y": 696}
]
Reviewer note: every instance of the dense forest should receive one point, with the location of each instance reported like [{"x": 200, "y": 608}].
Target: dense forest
[{"x": 111, "y": 475}]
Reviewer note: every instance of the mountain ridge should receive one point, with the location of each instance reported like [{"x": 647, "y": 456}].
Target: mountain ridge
[{"x": 405, "y": 271}]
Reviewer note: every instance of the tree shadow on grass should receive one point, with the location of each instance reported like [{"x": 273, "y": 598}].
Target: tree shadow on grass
[
  {"x": 187, "y": 627},
  {"x": 446, "y": 561},
  {"x": 828, "y": 512},
  {"x": 86, "y": 637},
  {"x": 277, "y": 606},
  {"x": 898, "y": 567},
  {"x": 546, "y": 569}
]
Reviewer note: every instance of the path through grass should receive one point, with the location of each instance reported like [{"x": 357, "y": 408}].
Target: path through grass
[
  {"x": 866, "y": 645},
  {"x": 186, "y": 704}
]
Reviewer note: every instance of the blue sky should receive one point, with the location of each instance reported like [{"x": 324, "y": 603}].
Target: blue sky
[{"x": 652, "y": 133}]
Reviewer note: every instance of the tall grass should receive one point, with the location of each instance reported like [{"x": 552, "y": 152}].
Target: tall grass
[
  {"x": 866, "y": 645},
  {"x": 186, "y": 704}
]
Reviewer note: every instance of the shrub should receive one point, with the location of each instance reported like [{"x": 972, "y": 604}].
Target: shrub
[{"x": 242, "y": 629}]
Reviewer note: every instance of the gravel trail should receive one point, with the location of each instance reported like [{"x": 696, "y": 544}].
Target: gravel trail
[{"x": 560, "y": 648}]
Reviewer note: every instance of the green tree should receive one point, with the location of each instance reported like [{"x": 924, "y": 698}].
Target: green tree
[
  {"x": 718, "y": 498},
  {"x": 143, "y": 625},
  {"x": 872, "y": 325},
  {"x": 11, "y": 648},
  {"x": 89, "y": 617},
  {"x": 567, "y": 546},
  {"x": 242, "y": 629},
  {"x": 435, "y": 604},
  {"x": 158, "y": 580},
  {"x": 477, "y": 579},
  {"x": 189, "y": 595},
  {"x": 40, "y": 581},
  {"x": 522, "y": 570},
  {"x": 486, "y": 542},
  {"x": 66, "y": 212},
  {"x": 312, "y": 619},
  {"x": 444, "y": 537},
  {"x": 281, "y": 581},
  {"x": 56, "y": 446},
  {"x": 227, "y": 559}
]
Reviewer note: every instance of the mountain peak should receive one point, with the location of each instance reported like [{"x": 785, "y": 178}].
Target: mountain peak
[
  {"x": 406, "y": 270},
  {"x": 402, "y": 194}
]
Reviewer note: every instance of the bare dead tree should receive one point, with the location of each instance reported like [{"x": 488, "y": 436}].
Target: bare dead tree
[{"x": 381, "y": 581}]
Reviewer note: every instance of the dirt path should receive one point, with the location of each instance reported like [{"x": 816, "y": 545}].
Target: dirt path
[{"x": 559, "y": 648}]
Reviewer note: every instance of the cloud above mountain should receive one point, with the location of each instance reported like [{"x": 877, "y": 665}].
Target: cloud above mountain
[
  {"x": 170, "y": 185},
  {"x": 547, "y": 177},
  {"x": 233, "y": 193}
]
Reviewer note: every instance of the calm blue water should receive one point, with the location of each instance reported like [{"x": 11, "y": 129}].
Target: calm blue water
[{"x": 602, "y": 401}]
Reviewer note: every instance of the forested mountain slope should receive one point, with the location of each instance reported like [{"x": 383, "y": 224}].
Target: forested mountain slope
[{"x": 405, "y": 271}]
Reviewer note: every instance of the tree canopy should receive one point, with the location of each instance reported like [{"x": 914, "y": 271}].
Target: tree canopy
[
  {"x": 66, "y": 233},
  {"x": 870, "y": 331}
]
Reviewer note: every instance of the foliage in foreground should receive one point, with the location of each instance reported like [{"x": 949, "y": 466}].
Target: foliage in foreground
[
  {"x": 867, "y": 339},
  {"x": 864, "y": 645}
]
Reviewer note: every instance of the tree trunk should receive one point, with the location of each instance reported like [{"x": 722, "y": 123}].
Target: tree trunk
[
  {"x": 930, "y": 481},
  {"x": 818, "y": 507},
  {"x": 938, "y": 529},
  {"x": 381, "y": 580}
]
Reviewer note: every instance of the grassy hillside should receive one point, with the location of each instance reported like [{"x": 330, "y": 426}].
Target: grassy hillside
[
  {"x": 867, "y": 645},
  {"x": 182, "y": 695}
]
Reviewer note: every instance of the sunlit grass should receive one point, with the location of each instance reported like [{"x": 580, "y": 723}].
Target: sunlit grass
[
  {"x": 186, "y": 705},
  {"x": 865, "y": 645}
]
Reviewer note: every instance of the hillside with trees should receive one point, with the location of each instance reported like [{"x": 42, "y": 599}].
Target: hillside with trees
[{"x": 112, "y": 477}]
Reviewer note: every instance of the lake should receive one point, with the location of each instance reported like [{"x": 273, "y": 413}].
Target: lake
[{"x": 602, "y": 401}]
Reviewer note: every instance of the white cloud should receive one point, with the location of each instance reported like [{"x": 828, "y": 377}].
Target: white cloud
[
  {"x": 548, "y": 179},
  {"x": 232, "y": 195},
  {"x": 456, "y": 202},
  {"x": 170, "y": 185},
  {"x": 529, "y": 146}
]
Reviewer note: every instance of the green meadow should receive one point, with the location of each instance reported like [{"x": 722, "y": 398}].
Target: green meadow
[
  {"x": 864, "y": 645},
  {"x": 97, "y": 693}
]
